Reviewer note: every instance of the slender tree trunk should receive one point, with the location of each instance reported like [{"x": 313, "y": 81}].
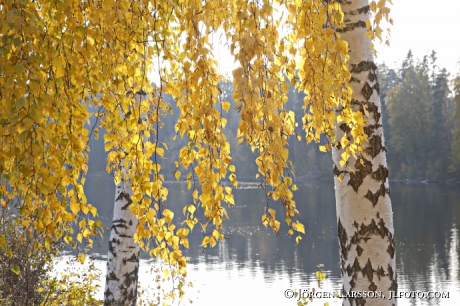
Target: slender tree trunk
[
  {"x": 364, "y": 213},
  {"x": 123, "y": 256}
]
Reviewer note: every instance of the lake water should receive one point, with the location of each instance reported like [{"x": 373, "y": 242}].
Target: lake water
[{"x": 254, "y": 267}]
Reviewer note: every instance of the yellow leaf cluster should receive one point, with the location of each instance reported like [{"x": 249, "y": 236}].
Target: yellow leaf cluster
[{"x": 379, "y": 10}]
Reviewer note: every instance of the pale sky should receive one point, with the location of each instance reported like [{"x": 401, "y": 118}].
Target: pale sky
[
  {"x": 422, "y": 26},
  {"x": 419, "y": 25}
]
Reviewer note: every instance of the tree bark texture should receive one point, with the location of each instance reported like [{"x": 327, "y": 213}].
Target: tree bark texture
[
  {"x": 123, "y": 256},
  {"x": 364, "y": 213}
]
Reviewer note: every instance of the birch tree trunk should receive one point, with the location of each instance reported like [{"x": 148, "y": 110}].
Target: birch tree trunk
[
  {"x": 123, "y": 255},
  {"x": 364, "y": 213}
]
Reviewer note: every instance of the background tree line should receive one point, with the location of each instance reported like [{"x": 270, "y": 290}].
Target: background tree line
[{"x": 421, "y": 119}]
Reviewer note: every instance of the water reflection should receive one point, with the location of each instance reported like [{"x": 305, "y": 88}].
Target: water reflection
[
  {"x": 426, "y": 224},
  {"x": 254, "y": 266}
]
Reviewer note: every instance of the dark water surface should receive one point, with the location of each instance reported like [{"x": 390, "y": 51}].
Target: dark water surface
[{"x": 254, "y": 267}]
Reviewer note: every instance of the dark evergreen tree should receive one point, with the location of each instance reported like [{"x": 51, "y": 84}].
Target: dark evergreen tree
[
  {"x": 455, "y": 145},
  {"x": 419, "y": 118},
  {"x": 410, "y": 123},
  {"x": 440, "y": 112}
]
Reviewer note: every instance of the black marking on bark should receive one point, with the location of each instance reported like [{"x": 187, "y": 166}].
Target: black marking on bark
[
  {"x": 367, "y": 91},
  {"x": 372, "y": 287},
  {"x": 352, "y": 26},
  {"x": 116, "y": 241},
  {"x": 342, "y": 263},
  {"x": 371, "y": 128},
  {"x": 375, "y": 146},
  {"x": 353, "y": 79},
  {"x": 364, "y": 167},
  {"x": 345, "y": 128},
  {"x": 352, "y": 283},
  {"x": 119, "y": 223},
  {"x": 383, "y": 229},
  {"x": 391, "y": 249},
  {"x": 111, "y": 250},
  {"x": 359, "y": 250},
  {"x": 108, "y": 294},
  {"x": 372, "y": 76},
  {"x": 390, "y": 271},
  {"x": 123, "y": 195},
  {"x": 338, "y": 172},
  {"x": 394, "y": 286},
  {"x": 353, "y": 270},
  {"x": 381, "y": 174},
  {"x": 363, "y": 66},
  {"x": 112, "y": 276},
  {"x": 344, "y": 1},
  {"x": 380, "y": 272},
  {"x": 368, "y": 271},
  {"x": 372, "y": 108},
  {"x": 365, "y": 232},
  {"x": 356, "y": 224},
  {"x": 373, "y": 197},
  {"x": 133, "y": 258},
  {"x": 356, "y": 268},
  {"x": 111, "y": 246},
  {"x": 126, "y": 197},
  {"x": 357, "y": 104},
  {"x": 362, "y": 10},
  {"x": 343, "y": 240},
  {"x": 376, "y": 87},
  {"x": 125, "y": 236}
]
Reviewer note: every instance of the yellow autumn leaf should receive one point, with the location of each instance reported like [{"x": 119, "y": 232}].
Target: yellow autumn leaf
[
  {"x": 205, "y": 241},
  {"x": 177, "y": 174},
  {"x": 81, "y": 258},
  {"x": 320, "y": 275},
  {"x": 299, "y": 227},
  {"x": 191, "y": 208},
  {"x": 226, "y": 106}
]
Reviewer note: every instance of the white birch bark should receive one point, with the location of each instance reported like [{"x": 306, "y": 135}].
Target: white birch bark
[
  {"x": 364, "y": 213},
  {"x": 123, "y": 255}
]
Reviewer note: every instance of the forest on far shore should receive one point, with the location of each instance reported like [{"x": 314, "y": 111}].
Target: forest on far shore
[
  {"x": 421, "y": 118},
  {"x": 421, "y": 121}
]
